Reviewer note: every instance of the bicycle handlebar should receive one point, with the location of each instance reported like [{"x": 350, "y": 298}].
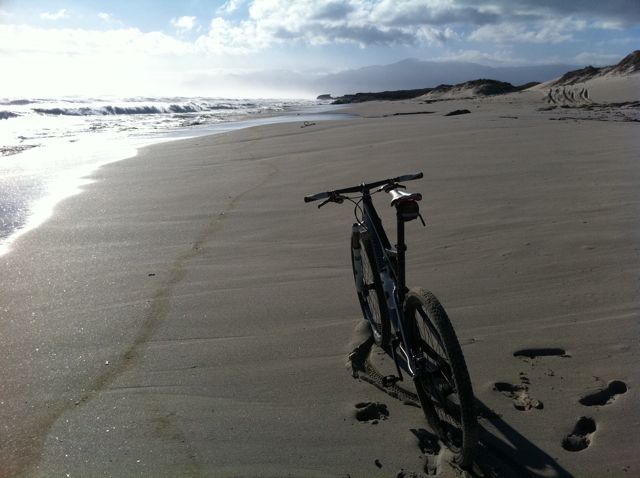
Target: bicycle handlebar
[{"x": 363, "y": 187}]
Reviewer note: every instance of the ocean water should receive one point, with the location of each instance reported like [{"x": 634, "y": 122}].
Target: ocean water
[{"x": 48, "y": 147}]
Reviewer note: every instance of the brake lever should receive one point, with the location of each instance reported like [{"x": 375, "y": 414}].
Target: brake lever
[
  {"x": 388, "y": 187},
  {"x": 336, "y": 198}
]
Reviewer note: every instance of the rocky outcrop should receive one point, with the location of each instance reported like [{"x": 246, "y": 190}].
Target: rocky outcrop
[{"x": 381, "y": 96}]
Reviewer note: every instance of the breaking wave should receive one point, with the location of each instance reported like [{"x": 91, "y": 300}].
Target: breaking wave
[
  {"x": 132, "y": 110},
  {"x": 80, "y": 107},
  {"x": 34, "y": 120}
]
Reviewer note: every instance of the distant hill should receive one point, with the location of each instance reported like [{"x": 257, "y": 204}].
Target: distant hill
[
  {"x": 409, "y": 74},
  {"x": 413, "y": 74},
  {"x": 629, "y": 65},
  {"x": 466, "y": 89}
]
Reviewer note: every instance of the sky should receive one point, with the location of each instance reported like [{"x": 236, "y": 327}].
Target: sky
[{"x": 209, "y": 47}]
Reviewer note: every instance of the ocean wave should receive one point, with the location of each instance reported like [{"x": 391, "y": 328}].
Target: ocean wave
[
  {"x": 51, "y": 119},
  {"x": 109, "y": 110},
  {"x": 7, "y": 115},
  {"x": 15, "y": 149},
  {"x": 17, "y": 102},
  {"x": 112, "y": 110}
]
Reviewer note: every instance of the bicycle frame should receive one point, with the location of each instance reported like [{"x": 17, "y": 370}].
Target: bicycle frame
[{"x": 390, "y": 264}]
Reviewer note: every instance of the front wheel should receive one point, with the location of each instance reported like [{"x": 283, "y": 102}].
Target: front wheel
[
  {"x": 369, "y": 286},
  {"x": 442, "y": 381}
]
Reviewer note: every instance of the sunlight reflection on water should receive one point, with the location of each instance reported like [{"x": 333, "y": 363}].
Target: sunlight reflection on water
[{"x": 33, "y": 182}]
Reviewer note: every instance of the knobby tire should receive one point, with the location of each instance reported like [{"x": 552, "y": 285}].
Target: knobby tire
[{"x": 450, "y": 408}]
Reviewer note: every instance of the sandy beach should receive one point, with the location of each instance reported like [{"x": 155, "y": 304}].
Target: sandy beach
[{"x": 189, "y": 315}]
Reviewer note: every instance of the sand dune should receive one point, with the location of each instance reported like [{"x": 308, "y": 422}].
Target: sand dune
[
  {"x": 602, "y": 90},
  {"x": 618, "y": 83},
  {"x": 469, "y": 89}
]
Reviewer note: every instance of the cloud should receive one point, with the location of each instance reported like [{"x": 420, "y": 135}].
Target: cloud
[
  {"x": 610, "y": 25},
  {"x": 333, "y": 11},
  {"x": 598, "y": 59},
  {"x": 431, "y": 12},
  {"x": 366, "y": 23},
  {"x": 230, "y": 6},
  {"x": 77, "y": 61},
  {"x": 107, "y": 17},
  {"x": 411, "y": 22},
  {"x": 111, "y": 20},
  {"x": 60, "y": 14},
  {"x": 184, "y": 24},
  {"x": 623, "y": 11},
  {"x": 543, "y": 31},
  {"x": 225, "y": 37},
  {"x": 360, "y": 22},
  {"x": 624, "y": 41},
  {"x": 76, "y": 42}
]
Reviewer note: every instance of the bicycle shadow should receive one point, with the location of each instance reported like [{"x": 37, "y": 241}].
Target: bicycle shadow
[
  {"x": 502, "y": 452},
  {"x": 511, "y": 453}
]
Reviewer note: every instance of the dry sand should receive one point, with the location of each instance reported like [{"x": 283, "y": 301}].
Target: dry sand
[{"x": 189, "y": 315}]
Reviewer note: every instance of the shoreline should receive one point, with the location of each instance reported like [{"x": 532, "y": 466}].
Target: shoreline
[
  {"x": 90, "y": 156},
  {"x": 190, "y": 314}
]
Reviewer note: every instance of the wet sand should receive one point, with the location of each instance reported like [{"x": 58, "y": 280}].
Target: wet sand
[{"x": 188, "y": 314}]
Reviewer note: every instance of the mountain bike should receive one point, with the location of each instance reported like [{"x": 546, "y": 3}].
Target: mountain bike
[{"x": 410, "y": 325}]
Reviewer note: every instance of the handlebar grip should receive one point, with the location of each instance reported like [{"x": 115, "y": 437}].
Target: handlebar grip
[
  {"x": 409, "y": 177},
  {"x": 315, "y": 197}
]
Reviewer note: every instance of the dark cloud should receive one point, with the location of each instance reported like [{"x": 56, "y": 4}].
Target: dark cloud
[
  {"x": 412, "y": 22},
  {"x": 366, "y": 35},
  {"x": 456, "y": 15},
  {"x": 625, "y": 11},
  {"x": 333, "y": 11}
]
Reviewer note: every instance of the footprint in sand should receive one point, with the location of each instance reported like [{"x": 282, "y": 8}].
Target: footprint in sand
[
  {"x": 606, "y": 396},
  {"x": 371, "y": 412},
  {"x": 430, "y": 448},
  {"x": 531, "y": 356},
  {"x": 580, "y": 438},
  {"x": 519, "y": 394}
]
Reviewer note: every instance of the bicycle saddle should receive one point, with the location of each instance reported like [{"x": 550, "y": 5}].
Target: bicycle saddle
[{"x": 398, "y": 196}]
